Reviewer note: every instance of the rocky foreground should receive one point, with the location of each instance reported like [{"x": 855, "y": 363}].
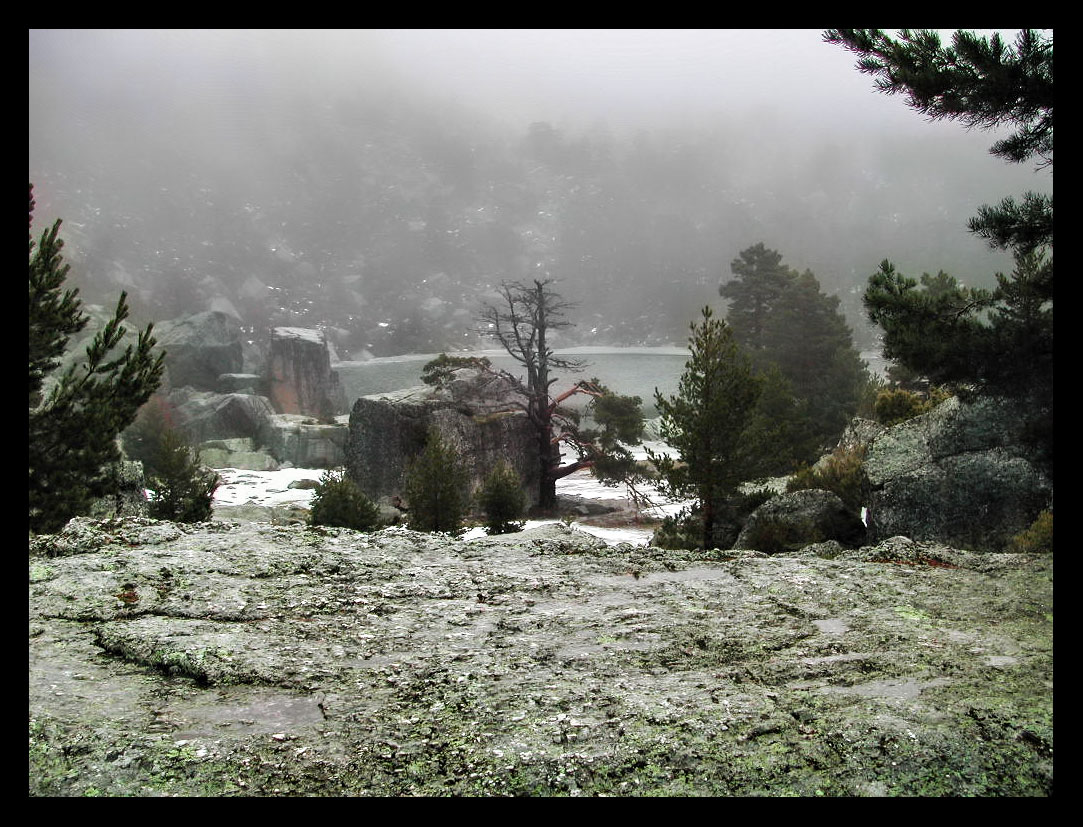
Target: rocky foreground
[{"x": 252, "y": 659}]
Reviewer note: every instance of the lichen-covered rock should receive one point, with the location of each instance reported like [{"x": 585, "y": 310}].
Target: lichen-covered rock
[
  {"x": 790, "y": 521},
  {"x": 130, "y": 499},
  {"x": 300, "y": 379},
  {"x": 225, "y": 659},
  {"x": 959, "y": 474}
]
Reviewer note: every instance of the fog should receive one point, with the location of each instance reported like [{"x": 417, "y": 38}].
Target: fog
[{"x": 378, "y": 182}]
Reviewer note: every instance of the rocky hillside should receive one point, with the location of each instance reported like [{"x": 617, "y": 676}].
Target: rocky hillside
[{"x": 251, "y": 659}]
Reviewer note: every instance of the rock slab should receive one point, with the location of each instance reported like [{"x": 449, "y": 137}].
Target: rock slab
[{"x": 257, "y": 660}]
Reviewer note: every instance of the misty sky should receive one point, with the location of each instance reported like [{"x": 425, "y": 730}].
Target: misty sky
[
  {"x": 573, "y": 78},
  {"x": 129, "y": 114}
]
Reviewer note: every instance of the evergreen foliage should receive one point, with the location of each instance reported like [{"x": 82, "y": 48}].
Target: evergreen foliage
[
  {"x": 436, "y": 488},
  {"x": 619, "y": 421},
  {"x": 502, "y": 500},
  {"x": 73, "y": 427},
  {"x": 338, "y": 501},
  {"x": 441, "y": 370},
  {"x": 1000, "y": 341},
  {"x": 782, "y": 320},
  {"x": 895, "y": 405},
  {"x": 142, "y": 440},
  {"x": 183, "y": 490},
  {"x": 706, "y": 423}
]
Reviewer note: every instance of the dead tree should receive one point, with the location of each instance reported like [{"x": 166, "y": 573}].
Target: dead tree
[{"x": 521, "y": 324}]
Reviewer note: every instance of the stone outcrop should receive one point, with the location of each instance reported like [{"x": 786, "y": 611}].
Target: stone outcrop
[
  {"x": 204, "y": 415},
  {"x": 238, "y": 452},
  {"x": 200, "y": 348},
  {"x": 251, "y": 659},
  {"x": 299, "y": 375},
  {"x": 793, "y": 520},
  {"x": 305, "y": 443},
  {"x": 475, "y": 413},
  {"x": 237, "y": 430},
  {"x": 960, "y": 474}
]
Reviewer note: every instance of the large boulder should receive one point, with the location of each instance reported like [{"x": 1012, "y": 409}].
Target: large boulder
[
  {"x": 299, "y": 375},
  {"x": 799, "y": 518},
  {"x": 304, "y": 443},
  {"x": 200, "y": 348},
  {"x": 475, "y": 413},
  {"x": 204, "y": 416},
  {"x": 961, "y": 474}
]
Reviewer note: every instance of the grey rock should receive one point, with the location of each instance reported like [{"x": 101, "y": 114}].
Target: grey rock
[
  {"x": 304, "y": 443},
  {"x": 250, "y": 383},
  {"x": 281, "y": 660},
  {"x": 476, "y": 414},
  {"x": 236, "y": 453},
  {"x": 959, "y": 474},
  {"x": 793, "y": 520},
  {"x": 200, "y": 348},
  {"x": 131, "y": 497}
]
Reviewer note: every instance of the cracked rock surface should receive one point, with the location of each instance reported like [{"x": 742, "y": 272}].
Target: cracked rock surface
[{"x": 251, "y": 659}]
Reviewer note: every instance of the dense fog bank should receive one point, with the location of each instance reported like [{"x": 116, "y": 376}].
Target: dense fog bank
[{"x": 327, "y": 180}]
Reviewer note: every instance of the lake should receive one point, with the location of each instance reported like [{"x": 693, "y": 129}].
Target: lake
[
  {"x": 628, "y": 371},
  {"x": 632, "y": 371}
]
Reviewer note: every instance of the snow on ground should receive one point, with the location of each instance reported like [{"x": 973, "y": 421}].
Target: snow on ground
[{"x": 271, "y": 488}]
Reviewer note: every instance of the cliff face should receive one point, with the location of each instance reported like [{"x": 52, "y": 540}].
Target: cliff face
[
  {"x": 300, "y": 379},
  {"x": 252, "y": 659},
  {"x": 475, "y": 414}
]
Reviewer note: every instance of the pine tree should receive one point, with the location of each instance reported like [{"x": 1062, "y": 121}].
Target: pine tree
[
  {"x": 706, "y": 422},
  {"x": 73, "y": 428},
  {"x": 502, "y": 500},
  {"x": 183, "y": 490},
  {"x": 998, "y": 342},
  {"x": 522, "y": 324},
  {"x": 338, "y": 501},
  {"x": 436, "y": 488},
  {"x": 782, "y": 319}
]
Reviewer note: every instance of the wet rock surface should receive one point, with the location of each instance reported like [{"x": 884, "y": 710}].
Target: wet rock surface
[{"x": 252, "y": 659}]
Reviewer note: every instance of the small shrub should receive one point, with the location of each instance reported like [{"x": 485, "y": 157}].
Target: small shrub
[
  {"x": 682, "y": 531},
  {"x": 1038, "y": 539},
  {"x": 502, "y": 500},
  {"x": 337, "y": 501},
  {"x": 842, "y": 474},
  {"x": 436, "y": 488},
  {"x": 183, "y": 489},
  {"x": 897, "y": 405}
]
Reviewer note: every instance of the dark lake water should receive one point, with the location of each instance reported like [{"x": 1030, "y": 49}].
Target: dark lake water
[{"x": 629, "y": 371}]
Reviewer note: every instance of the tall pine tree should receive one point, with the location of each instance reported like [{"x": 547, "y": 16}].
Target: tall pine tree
[
  {"x": 706, "y": 422},
  {"x": 73, "y": 426},
  {"x": 782, "y": 319}
]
